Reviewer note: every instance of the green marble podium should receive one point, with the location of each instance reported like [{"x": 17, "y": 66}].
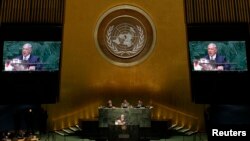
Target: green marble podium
[{"x": 133, "y": 116}]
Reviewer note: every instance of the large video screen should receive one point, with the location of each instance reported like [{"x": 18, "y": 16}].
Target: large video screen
[
  {"x": 218, "y": 58},
  {"x": 218, "y": 55},
  {"x": 31, "y": 55}
]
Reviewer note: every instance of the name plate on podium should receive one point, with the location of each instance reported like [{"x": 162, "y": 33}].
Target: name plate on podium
[{"x": 123, "y": 133}]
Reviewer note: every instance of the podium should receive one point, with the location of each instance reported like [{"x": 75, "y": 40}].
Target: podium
[
  {"x": 123, "y": 133},
  {"x": 22, "y": 65},
  {"x": 133, "y": 116}
]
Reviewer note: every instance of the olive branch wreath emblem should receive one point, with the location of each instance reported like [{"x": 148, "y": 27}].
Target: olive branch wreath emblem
[{"x": 138, "y": 46}]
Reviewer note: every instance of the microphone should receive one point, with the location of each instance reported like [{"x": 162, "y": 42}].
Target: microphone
[{"x": 212, "y": 63}]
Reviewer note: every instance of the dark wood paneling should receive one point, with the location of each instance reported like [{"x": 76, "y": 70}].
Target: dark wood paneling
[
  {"x": 32, "y": 11},
  {"x": 217, "y": 11}
]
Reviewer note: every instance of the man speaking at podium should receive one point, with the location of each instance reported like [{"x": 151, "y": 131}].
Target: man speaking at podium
[
  {"x": 32, "y": 62},
  {"x": 219, "y": 62}
]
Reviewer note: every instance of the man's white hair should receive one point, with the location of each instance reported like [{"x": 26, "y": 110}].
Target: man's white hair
[
  {"x": 28, "y": 45},
  {"x": 212, "y": 44}
]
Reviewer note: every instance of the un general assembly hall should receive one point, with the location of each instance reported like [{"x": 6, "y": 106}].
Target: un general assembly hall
[{"x": 124, "y": 70}]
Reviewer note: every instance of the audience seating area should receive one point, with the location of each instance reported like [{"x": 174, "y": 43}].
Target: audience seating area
[{"x": 19, "y": 136}]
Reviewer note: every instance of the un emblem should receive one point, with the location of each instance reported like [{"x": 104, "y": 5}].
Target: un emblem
[{"x": 125, "y": 35}]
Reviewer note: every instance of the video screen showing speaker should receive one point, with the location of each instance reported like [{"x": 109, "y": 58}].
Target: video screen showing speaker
[
  {"x": 31, "y": 58},
  {"x": 219, "y": 56},
  {"x": 31, "y": 55}
]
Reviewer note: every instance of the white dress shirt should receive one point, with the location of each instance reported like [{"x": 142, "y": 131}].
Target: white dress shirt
[
  {"x": 213, "y": 57},
  {"x": 26, "y": 58}
]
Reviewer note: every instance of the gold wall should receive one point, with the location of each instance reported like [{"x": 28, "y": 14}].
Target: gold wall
[{"x": 88, "y": 80}]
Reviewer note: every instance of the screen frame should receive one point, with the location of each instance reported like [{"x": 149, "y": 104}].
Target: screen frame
[
  {"x": 43, "y": 86},
  {"x": 219, "y": 87}
]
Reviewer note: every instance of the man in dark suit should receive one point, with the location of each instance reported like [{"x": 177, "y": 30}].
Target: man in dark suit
[
  {"x": 139, "y": 104},
  {"x": 32, "y": 62},
  {"x": 125, "y": 104},
  {"x": 219, "y": 62}
]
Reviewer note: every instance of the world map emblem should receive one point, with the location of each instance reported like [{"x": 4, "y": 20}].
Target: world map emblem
[
  {"x": 125, "y": 35},
  {"x": 125, "y": 40}
]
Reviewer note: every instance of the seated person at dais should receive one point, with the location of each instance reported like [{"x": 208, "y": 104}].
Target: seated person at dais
[
  {"x": 125, "y": 104},
  {"x": 139, "y": 104},
  {"x": 110, "y": 104}
]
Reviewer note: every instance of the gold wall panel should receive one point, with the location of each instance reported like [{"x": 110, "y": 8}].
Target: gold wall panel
[{"x": 88, "y": 80}]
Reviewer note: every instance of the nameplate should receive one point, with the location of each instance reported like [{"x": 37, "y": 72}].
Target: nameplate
[{"x": 123, "y": 136}]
